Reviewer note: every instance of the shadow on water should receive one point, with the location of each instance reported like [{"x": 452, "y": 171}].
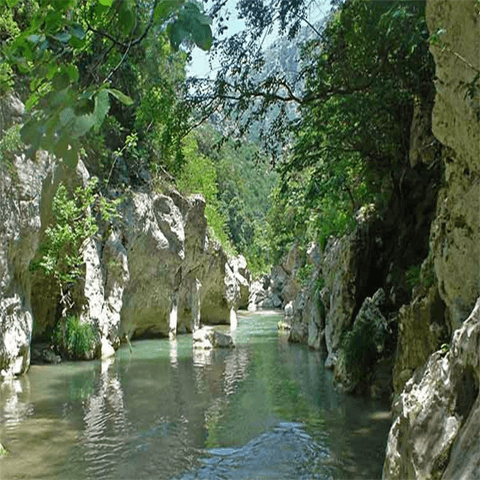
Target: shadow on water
[{"x": 266, "y": 409}]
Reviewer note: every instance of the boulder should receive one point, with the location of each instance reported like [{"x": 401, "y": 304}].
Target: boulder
[
  {"x": 298, "y": 333},
  {"x": 207, "y": 338},
  {"x": 272, "y": 301},
  {"x": 436, "y": 430},
  {"x": 243, "y": 278}
]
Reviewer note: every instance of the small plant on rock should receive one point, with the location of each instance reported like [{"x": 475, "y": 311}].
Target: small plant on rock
[
  {"x": 75, "y": 339},
  {"x": 363, "y": 345}
]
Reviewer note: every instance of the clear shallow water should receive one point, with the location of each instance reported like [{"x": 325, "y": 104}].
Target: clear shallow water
[{"x": 264, "y": 410}]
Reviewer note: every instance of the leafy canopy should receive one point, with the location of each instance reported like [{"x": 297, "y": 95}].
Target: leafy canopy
[{"x": 51, "y": 45}]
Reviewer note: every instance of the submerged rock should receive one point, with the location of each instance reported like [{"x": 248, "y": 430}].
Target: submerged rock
[
  {"x": 207, "y": 338},
  {"x": 43, "y": 353},
  {"x": 298, "y": 333}
]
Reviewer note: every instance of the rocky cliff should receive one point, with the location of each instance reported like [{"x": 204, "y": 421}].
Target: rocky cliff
[
  {"x": 436, "y": 433},
  {"x": 152, "y": 271}
]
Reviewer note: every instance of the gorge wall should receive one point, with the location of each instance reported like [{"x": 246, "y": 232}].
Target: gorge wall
[
  {"x": 435, "y": 433},
  {"x": 151, "y": 271}
]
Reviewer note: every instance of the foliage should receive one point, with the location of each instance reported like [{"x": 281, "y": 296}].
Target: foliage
[
  {"x": 72, "y": 51},
  {"x": 304, "y": 274},
  {"x": 10, "y": 143},
  {"x": 362, "y": 345},
  {"x": 413, "y": 275},
  {"x": 363, "y": 75},
  {"x": 3, "y": 451},
  {"x": 75, "y": 339},
  {"x": 74, "y": 223},
  {"x": 244, "y": 180},
  {"x": 200, "y": 176}
]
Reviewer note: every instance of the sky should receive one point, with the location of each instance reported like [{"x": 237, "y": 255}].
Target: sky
[{"x": 199, "y": 66}]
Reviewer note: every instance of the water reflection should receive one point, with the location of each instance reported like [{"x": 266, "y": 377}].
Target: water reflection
[
  {"x": 15, "y": 406},
  {"x": 174, "y": 352},
  {"x": 202, "y": 358},
  {"x": 164, "y": 412},
  {"x": 105, "y": 423}
]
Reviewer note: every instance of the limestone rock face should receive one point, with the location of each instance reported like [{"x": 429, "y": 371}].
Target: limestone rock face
[
  {"x": 11, "y": 111},
  {"x": 421, "y": 331},
  {"x": 298, "y": 333},
  {"x": 20, "y": 190},
  {"x": 154, "y": 238},
  {"x": 436, "y": 420},
  {"x": 243, "y": 277},
  {"x": 153, "y": 272},
  {"x": 435, "y": 431},
  {"x": 338, "y": 271},
  {"x": 455, "y": 233}
]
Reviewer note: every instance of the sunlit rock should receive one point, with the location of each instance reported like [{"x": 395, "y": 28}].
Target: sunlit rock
[
  {"x": 107, "y": 350},
  {"x": 243, "y": 277},
  {"x": 20, "y": 194},
  {"x": 207, "y": 338},
  {"x": 436, "y": 415},
  {"x": 288, "y": 310},
  {"x": 298, "y": 333},
  {"x": 455, "y": 232}
]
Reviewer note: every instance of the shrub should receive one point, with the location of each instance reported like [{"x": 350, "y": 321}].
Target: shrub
[
  {"x": 75, "y": 339},
  {"x": 362, "y": 345},
  {"x": 10, "y": 143},
  {"x": 413, "y": 276}
]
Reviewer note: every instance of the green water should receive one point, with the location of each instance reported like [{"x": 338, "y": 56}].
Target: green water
[{"x": 266, "y": 409}]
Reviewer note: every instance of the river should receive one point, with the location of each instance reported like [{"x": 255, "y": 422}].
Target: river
[{"x": 266, "y": 409}]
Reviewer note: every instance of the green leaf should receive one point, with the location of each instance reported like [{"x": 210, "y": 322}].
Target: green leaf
[
  {"x": 67, "y": 116},
  {"x": 53, "y": 21},
  {"x": 77, "y": 31},
  {"x": 126, "y": 16},
  {"x": 177, "y": 33},
  {"x": 61, "y": 80},
  {"x": 202, "y": 36},
  {"x": 12, "y": 3},
  {"x": 73, "y": 74},
  {"x": 121, "y": 97},
  {"x": 107, "y": 3},
  {"x": 31, "y": 101},
  {"x": 70, "y": 157},
  {"x": 35, "y": 38},
  {"x": 164, "y": 9},
  {"x": 31, "y": 134}
]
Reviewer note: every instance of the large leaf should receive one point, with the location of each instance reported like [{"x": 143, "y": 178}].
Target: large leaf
[
  {"x": 202, "y": 36},
  {"x": 191, "y": 24},
  {"x": 165, "y": 8}
]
